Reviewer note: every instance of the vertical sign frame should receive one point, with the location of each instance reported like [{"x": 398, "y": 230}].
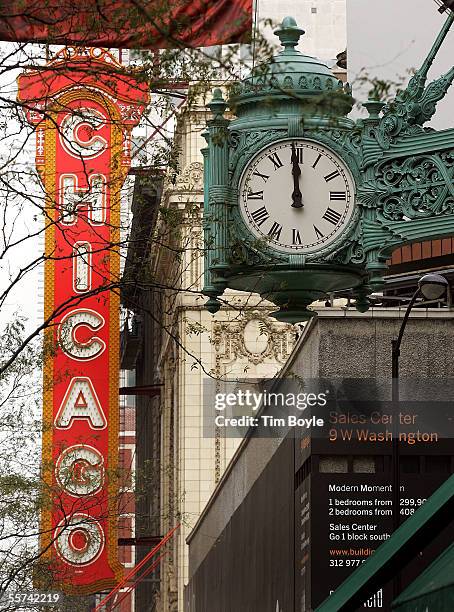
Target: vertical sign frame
[{"x": 83, "y": 105}]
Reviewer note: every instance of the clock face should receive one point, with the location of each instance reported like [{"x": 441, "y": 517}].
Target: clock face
[{"x": 297, "y": 195}]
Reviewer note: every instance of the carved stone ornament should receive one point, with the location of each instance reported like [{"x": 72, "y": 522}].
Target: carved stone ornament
[
  {"x": 235, "y": 340},
  {"x": 191, "y": 179}
]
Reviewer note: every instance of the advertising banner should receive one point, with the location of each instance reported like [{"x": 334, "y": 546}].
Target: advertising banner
[{"x": 83, "y": 109}]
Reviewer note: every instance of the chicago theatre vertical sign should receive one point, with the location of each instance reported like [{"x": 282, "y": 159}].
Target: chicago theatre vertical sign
[{"x": 83, "y": 106}]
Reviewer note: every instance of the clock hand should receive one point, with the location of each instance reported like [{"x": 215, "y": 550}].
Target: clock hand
[{"x": 297, "y": 196}]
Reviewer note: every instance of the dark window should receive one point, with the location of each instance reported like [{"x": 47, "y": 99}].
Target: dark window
[
  {"x": 303, "y": 472},
  {"x": 379, "y": 463},
  {"x": 364, "y": 465},
  {"x": 438, "y": 463},
  {"x": 409, "y": 465},
  {"x": 336, "y": 464}
]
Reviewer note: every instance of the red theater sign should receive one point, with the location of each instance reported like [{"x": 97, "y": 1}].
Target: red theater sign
[{"x": 83, "y": 110}]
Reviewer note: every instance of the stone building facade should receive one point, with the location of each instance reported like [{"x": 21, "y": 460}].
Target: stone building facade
[
  {"x": 240, "y": 341},
  {"x": 177, "y": 468}
]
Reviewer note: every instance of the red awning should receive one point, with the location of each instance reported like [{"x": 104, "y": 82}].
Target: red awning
[{"x": 137, "y": 24}]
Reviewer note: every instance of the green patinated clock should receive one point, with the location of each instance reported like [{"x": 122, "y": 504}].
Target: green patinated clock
[{"x": 301, "y": 201}]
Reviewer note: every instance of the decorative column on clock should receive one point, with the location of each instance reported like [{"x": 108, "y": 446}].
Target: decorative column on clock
[{"x": 218, "y": 203}]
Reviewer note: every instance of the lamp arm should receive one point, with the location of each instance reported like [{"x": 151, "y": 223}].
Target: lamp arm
[{"x": 396, "y": 343}]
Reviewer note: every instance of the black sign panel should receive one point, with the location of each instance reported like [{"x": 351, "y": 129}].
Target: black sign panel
[
  {"x": 250, "y": 566},
  {"x": 345, "y": 517}
]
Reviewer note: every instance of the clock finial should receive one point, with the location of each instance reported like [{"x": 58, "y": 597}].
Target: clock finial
[
  {"x": 217, "y": 104},
  {"x": 289, "y": 33}
]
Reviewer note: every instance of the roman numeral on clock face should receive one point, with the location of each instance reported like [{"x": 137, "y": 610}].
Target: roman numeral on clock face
[
  {"x": 275, "y": 231},
  {"x": 274, "y": 157},
  {"x": 332, "y": 216},
  {"x": 331, "y": 176},
  {"x": 255, "y": 195},
  {"x": 299, "y": 154},
  {"x": 318, "y": 233},
  {"x": 260, "y": 215},
  {"x": 317, "y": 160},
  {"x": 337, "y": 195},
  {"x": 296, "y": 238},
  {"x": 265, "y": 177}
]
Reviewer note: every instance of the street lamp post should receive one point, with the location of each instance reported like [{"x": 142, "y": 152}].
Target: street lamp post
[{"x": 431, "y": 287}]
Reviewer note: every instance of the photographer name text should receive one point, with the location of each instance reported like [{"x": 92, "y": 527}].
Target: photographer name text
[{"x": 268, "y": 421}]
